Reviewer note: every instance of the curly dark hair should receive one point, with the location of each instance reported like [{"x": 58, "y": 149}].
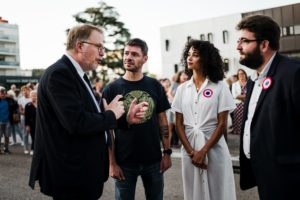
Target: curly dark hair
[{"x": 210, "y": 60}]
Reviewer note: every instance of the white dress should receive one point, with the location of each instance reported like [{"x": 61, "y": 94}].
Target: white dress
[{"x": 200, "y": 111}]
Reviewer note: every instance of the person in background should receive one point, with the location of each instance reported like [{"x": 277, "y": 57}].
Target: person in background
[
  {"x": 12, "y": 91},
  {"x": 98, "y": 84},
  {"x": 166, "y": 83},
  {"x": 7, "y": 108},
  {"x": 22, "y": 102},
  {"x": 136, "y": 148},
  {"x": 230, "y": 80},
  {"x": 269, "y": 149},
  {"x": 15, "y": 122},
  {"x": 201, "y": 107},
  {"x": 30, "y": 117},
  {"x": 239, "y": 94},
  {"x": 70, "y": 159},
  {"x": 181, "y": 77}
]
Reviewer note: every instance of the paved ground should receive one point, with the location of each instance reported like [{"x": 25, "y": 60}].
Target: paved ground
[{"x": 14, "y": 171}]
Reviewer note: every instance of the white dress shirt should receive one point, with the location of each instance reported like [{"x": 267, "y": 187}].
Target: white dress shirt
[
  {"x": 258, "y": 79},
  {"x": 81, "y": 74}
]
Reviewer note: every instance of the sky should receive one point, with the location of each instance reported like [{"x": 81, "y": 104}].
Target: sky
[{"x": 42, "y": 23}]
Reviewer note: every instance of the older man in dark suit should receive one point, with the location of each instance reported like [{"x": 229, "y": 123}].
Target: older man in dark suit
[
  {"x": 70, "y": 159},
  {"x": 269, "y": 150}
]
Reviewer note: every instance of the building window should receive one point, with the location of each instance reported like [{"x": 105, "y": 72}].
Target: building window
[
  {"x": 175, "y": 68},
  {"x": 210, "y": 37},
  {"x": 288, "y": 30},
  {"x": 189, "y": 38},
  {"x": 226, "y": 65},
  {"x": 291, "y": 30},
  {"x": 297, "y": 29},
  {"x": 284, "y": 31},
  {"x": 225, "y": 37},
  {"x": 202, "y": 37},
  {"x": 167, "y": 42}
]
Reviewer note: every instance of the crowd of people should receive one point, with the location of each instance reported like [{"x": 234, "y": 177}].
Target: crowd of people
[
  {"x": 128, "y": 129},
  {"x": 17, "y": 117}
]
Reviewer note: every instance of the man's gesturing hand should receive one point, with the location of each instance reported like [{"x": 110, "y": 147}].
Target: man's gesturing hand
[
  {"x": 136, "y": 112},
  {"x": 115, "y": 105}
]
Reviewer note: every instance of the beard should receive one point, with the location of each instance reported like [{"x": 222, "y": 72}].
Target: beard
[
  {"x": 252, "y": 60},
  {"x": 131, "y": 68}
]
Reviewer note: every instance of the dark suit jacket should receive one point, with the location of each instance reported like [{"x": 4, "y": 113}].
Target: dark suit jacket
[
  {"x": 275, "y": 134},
  {"x": 70, "y": 157}
]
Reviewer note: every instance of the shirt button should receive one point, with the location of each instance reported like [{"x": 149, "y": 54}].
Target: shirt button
[{"x": 195, "y": 113}]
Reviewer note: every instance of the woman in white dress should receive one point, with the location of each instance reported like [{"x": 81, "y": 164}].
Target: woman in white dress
[{"x": 201, "y": 107}]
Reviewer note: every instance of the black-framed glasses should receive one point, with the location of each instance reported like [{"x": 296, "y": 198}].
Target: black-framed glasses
[
  {"x": 99, "y": 46},
  {"x": 247, "y": 41}
]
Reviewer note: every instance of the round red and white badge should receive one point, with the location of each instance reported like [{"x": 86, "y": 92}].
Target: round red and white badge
[
  {"x": 207, "y": 93},
  {"x": 267, "y": 83}
]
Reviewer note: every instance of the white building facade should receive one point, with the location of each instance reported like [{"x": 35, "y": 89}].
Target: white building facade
[
  {"x": 9, "y": 48},
  {"x": 220, "y": 31}
]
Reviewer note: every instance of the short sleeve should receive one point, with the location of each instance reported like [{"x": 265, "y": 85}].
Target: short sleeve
[{"x": 226, "y": 102}]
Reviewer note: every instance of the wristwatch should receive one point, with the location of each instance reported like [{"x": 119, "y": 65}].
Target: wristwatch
[{"x": 167, "y": 151}]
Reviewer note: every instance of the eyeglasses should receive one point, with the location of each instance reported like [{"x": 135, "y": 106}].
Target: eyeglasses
[
  {"x": 99, "y": 46},
  {"x": 247, "y": 41}
]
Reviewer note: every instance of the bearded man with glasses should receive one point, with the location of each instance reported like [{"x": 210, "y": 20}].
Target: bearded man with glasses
[{"x": 270, "y": 135}]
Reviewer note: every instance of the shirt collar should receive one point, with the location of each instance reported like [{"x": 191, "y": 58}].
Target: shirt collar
[
  {"x": 265, "y": 70},
  {"x": 191, "y": 82},
  {"x": 76, "y": 65}
]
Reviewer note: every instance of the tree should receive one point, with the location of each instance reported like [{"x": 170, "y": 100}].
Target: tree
[
  {"x": 37, "y": 72},
  {"x": 115, "y": 34}
]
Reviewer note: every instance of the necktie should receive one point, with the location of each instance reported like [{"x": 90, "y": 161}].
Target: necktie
[
  {"x": 88, "y": 82},
  {"x": 107, "y": 135},
  {"x": 90, "y": 86}
]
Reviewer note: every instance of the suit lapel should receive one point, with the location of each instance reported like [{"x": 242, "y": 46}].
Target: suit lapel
[
  {"x": 79, "y": 79},
  {"x": 270, "y": 74}
]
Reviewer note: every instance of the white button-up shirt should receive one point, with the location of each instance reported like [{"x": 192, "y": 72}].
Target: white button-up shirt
[
  {"x": 258, "y": 79},
  {"x": 201, "y": 108},
  {"x": 81, "y": 74}
]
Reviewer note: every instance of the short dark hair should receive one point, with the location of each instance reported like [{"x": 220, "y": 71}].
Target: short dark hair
[
  {"x": 139, "y": 43},
  {"x": 263, "y": 27},
  {"x": 210, "y": 60}
]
